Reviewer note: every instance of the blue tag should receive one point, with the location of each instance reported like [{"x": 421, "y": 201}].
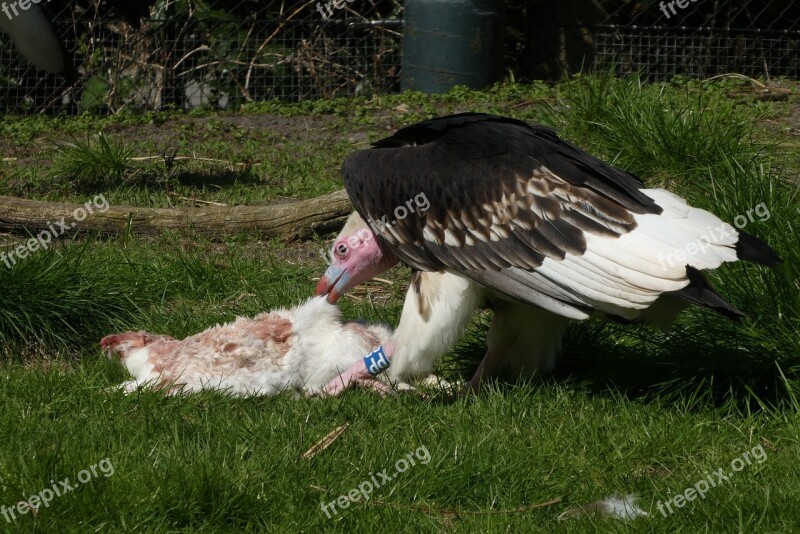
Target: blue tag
[{"x": 377, "y": 361}]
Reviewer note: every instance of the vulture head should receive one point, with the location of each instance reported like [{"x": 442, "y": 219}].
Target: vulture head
[{"x": 356, "y": 256}]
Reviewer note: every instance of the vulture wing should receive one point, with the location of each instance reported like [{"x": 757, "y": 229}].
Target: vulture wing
[{"x": 516, "y": 208}]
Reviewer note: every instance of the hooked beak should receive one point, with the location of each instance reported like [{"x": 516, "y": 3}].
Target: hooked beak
[{"x": 333, "y": 283}]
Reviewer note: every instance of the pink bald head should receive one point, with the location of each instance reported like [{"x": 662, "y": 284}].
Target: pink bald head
[{"x": 356, "y": 257}]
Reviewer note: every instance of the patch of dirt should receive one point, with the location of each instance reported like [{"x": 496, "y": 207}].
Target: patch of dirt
[
  {"x": 305, "y": 128},
  {"x": 784, "y": 92},
  {"x": 273, "y": 129}
]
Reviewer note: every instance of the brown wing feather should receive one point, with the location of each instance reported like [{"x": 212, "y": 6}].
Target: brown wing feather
[{"x": 502, "y": 195}]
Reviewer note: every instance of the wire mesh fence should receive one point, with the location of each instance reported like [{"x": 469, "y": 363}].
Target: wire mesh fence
[
  {"x": 224, "y": 53},
  {"x": 661, "y": 53},
  {"x": 659, "y": 38},
  {"x": 186, "y": 60},
  {"x": 702, "y": 38}
]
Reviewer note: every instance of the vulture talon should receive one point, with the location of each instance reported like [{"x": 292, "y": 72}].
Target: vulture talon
[{"x": 383, "y": 390}]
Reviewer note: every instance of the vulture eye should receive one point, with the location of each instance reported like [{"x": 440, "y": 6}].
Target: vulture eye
[{"x": 341, "y": 250}]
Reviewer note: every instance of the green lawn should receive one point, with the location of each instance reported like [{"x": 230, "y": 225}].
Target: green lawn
[{"x": 630, "y": 410}]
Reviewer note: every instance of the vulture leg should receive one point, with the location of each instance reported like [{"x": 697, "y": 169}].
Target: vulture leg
[
  {"x": 437, "y": 309},
  {"x": 523, "y": 342},
  {"x": 485, "y": 370}
]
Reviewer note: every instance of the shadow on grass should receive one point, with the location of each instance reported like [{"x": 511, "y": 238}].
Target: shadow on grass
[
  {"x": 713, "y": 374},
  {"x": 649, "y": 365}
]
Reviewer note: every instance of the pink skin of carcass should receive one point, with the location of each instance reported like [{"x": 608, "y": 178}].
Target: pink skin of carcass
[
  {"x": 299, "y": 349},
  {"x": 356, "y": 257}
]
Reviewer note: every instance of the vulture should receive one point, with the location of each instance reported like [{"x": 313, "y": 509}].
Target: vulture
[
  {"x": 298, "y": 349},
  {"x": 493, "y": 211}
]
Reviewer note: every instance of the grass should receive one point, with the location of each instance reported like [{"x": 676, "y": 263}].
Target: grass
[
  {"x": 208, "y": 463},
  {"x": 631, "y": 410},
  {"x": 663, "y": 133},
  {"x": 97, "y": 161}
]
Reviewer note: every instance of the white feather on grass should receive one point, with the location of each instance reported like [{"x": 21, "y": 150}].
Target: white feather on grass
[{"x": 619, "y": 507}]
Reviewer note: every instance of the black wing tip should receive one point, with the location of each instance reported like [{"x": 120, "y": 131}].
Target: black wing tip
[
  {"x": 751, "y": 248},
  {"x": 700, "y": 292}
]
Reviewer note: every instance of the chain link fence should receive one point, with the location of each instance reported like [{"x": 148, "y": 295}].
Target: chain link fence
[
  {"x": 658, "y": 38},
  {"x": 702, "y": 38},
  {"x": 188, "y": 58},
  {"x": 225, "y": 53}
]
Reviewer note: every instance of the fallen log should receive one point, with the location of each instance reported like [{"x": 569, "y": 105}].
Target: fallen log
[{"x": 287, "y": 220}]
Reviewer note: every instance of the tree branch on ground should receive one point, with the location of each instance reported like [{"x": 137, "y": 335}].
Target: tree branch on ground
[{"x": 286, "y": 220}]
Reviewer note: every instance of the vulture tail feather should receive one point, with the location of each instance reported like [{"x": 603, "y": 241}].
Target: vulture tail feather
[
  {"x": 700, "y": 292},
  {"x": 751, "y": 248}
]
